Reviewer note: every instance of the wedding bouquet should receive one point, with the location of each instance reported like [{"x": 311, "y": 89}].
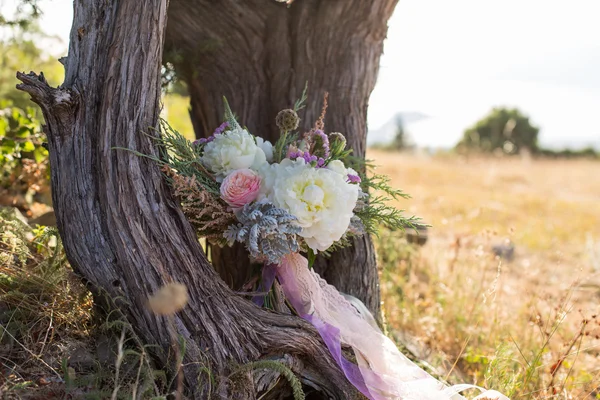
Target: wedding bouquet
[
  {"x": 299, "y": 195},
  {"x": 304, "y": 194}
]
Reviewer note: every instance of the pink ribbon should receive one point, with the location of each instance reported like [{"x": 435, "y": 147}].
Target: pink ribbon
[
  {"x": 329, "y": 333},
  {"x": 381, "y": 371}
]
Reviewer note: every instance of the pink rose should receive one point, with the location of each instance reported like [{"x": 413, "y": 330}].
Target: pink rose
[{"x": 240, "y": 187}]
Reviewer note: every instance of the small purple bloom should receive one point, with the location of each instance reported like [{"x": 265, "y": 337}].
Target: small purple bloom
[
  {"x": 354, "y": 178},
  {"x": 292, "y": 155},
  {"x": 209, "y": 139},
  {"x": 308, "y": 158},
  {"x": 325, "y": 141},
  {"x": 221, "y": 128},
  {"x": 315, "y": 161}
]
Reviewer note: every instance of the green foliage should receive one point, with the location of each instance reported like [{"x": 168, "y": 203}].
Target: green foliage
[
  {"x": 26, "y": 13},
  {"x": 278, "y": 367},
  {"x": 21, "y": 136},
  {"x": 229, "y": 115},
  {"x": 184, "y": 157},
  {"x": 503, "y": 129},
  {"x": 20, "y": 52},
  {"x": 284, "y": 140},
  {"x": 23, "y": 159},
  {"x": 180, "y": 154},
  {"x": 40, "y": 302},
  {"x": 378, "y": 210},
  {"x": 587, "y": 152},
  {"x": 301, "y": 102},
  {"x": 338, "y": 151}
]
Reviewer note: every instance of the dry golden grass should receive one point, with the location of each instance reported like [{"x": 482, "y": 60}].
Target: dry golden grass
[{"x": 527, "y": 326}]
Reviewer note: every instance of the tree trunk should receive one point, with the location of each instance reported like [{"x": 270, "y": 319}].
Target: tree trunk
[
  {"x": 259, "y": 54},
  {"x": 123, "y": 232}
]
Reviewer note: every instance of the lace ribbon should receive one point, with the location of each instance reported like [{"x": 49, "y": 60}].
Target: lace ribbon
[{"x": 381, "y": 371}]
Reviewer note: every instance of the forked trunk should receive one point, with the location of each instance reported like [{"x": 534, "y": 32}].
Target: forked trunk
[
  {"x": 260, "y": 54},
  {"x": 122, "y": 230}
]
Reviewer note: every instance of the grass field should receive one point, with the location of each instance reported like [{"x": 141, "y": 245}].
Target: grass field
[{"x": 528, "y": 326}]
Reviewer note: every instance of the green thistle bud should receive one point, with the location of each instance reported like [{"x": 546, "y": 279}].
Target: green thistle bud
[
  {"x": 338, "y": 139},
  {"x": 287, "y": 120}
]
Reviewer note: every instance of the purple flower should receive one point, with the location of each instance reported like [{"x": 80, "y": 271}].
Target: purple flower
[
  {"x": 292, "y": 155},
  {"x": 324, "y": 140},
  {"x": 315, "y": 161},
  {"x": 209, "y": 139},
  {"x": 309, "y": 158},
  {"x": 221, "y": 128},
  {"x": 354, "y": 178}
]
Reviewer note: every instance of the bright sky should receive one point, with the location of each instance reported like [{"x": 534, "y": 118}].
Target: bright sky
[{"x": 454, "y": 60}]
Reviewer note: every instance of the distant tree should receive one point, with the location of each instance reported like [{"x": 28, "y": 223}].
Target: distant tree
[
  {"x": 401, "y": 140},
  {"x": 504, "y": 129}
]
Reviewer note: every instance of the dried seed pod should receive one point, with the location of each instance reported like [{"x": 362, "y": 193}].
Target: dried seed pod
[{"x": 287, "y": 120}]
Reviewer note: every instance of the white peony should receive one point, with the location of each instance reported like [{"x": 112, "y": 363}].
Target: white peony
[
  {"x": 349, "y": 174},
  {"x": 266, "y": 147},
  {"x": 233, "y": 150},
  {"x": 337, "y": 166},
  {"x": 351, "y": 171},
  {"x": 320, "y": 198}
]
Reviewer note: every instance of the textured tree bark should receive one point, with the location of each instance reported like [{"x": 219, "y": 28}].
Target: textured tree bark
[
  {"x": 121, "y": 229},
  {"x": 259, "y": 54}
]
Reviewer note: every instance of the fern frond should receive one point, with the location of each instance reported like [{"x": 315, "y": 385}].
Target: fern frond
[{"x": 280, "y": 368}]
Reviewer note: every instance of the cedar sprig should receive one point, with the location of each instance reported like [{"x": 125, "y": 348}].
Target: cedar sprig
[
  {"x": 184, "y": 157},
  {"x": 179, "y": 154},
  {"x": 301, "y": 102},
  {"x": 378, "y": 213},
  {"x": 376, "y": 210}
]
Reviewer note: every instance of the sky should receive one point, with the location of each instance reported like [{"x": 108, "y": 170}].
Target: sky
[
  {"x": 455, "y": 60},
  {"x": 452, "y": 61}
]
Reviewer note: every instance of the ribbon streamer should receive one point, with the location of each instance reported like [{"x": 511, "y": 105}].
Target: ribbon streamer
[
  {"x": 269, "y": 271},
  {"x": 382, "y": 372}
]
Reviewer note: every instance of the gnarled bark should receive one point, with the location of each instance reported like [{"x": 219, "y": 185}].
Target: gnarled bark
[
  {"x": 260, "y": 54},
  {"x": 122, "y": 231}
]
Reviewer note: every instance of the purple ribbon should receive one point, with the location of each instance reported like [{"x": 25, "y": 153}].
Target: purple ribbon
[
  {"x": 329, "y": 333},
  {"x": 303, "y": 290},
  {"x": 268, "y": 277}
]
